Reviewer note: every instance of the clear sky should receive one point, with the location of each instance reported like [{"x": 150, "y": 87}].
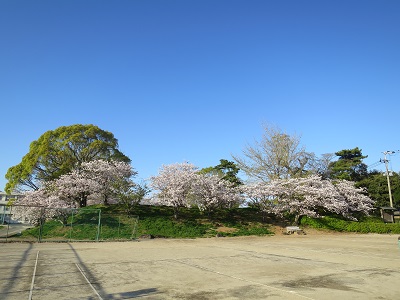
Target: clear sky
[{"x": 195, "y": 80}]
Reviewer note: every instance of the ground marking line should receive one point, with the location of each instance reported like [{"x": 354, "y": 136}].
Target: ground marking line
[
  {"x": 324, "y": 251},
  {"x": 242, "y": 279},
  {"x": 33, "y": 276},
  {"x": 87, "y": 280}
]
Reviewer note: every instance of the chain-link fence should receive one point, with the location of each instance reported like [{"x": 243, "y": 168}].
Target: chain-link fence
[{"x": 39, "y": 224}]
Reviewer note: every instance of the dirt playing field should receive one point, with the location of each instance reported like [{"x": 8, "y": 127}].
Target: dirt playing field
[{"x": 312, "y": 266}]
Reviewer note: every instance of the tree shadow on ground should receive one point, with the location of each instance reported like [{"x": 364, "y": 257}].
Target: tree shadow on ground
[
  {"x": 133, "y": 294},
  {"x": 99, "y": 288},
  {"x": 16, "y": 273}
]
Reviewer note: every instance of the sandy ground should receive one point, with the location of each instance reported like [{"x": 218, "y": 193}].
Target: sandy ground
[{"x": 313, "y": 266}]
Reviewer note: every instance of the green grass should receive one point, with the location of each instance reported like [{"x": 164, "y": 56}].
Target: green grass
[
  {"x": 154, "y": 221},
  {"x": 365, "y": 225},
  {"x": 158, "y": 222}
]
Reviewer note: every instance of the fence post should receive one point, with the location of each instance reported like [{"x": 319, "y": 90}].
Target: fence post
[
  {"x": 42, "y": 212},
  {"x": 98, "y": 227},
  {"x": 4, "y": 213},
  {"x": 119, "y": 226},
  {"x": 133, "y": 235},
  {"x": 8, "y": 223},
  {"x": 70, "y": 228}
]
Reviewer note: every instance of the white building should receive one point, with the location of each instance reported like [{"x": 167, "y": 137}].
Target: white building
[{"x": 6, "y": 211}]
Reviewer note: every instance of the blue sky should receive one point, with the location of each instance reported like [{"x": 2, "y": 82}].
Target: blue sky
[{"x": 195, "y": 80}]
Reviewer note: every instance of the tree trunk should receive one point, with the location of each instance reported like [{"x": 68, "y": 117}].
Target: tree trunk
[
  {"x": 264, "y": 216},
  {"x": 105, "y": 200},
  {"x": 83, "y": 201},
  {"x": 297, "y": 219},
  {"x": 176, "y": 211}
]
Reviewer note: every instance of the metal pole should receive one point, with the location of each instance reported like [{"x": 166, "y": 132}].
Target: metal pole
[
  {"x": 119, "y": 225},
  {"x": 134, "y": 227},
  {"x": 4, "y": 213},
  {"x": 70, "y": 228},
  {"x": 8, "y": 229},
  {"x": 9, "y": 219},
  {"x": 42, "y": 211},
  {"x": 387, "y": 176},
  {"x": 98, "y": 227}
]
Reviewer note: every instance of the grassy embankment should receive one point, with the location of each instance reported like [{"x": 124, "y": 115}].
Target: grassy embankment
[
  {"x": 158, "y": 222},
  {"x": 153, "y": 221}
]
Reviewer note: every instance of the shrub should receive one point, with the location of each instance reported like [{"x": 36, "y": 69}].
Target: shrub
[{"x": 367, "y": 225}]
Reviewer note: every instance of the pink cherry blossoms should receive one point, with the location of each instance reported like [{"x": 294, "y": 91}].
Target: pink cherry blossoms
[
  {"x": 37, "y": 206},
  {"x": 307, "y": 196},
  {"x": 95, "y": 182},
  {"x": 211, "y": 192},
  {"x": 180, "y": 185}
]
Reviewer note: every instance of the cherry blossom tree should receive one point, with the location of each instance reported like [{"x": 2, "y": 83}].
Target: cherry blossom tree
[
  {"x": 210, "y": 192},
  {"x": 181, "y": 185},
  {"x": 111, "y": 177},
  {"x": 75, "y": 187},
  {"x": 261, "y": 196},
  {"x": 40, "y": 205},
  {"x": 355, "y": 198},
  {"x": 305, "y": 196},
  {"x": 99, "y": 179},
  {"x": 308, "y": 196},
  {"x": 174, "y": 185}
]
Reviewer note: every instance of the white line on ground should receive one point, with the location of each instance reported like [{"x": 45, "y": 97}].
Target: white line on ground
[
  {"x": 33, "y": 276},
  {"x": 87, "y": 280},
  {"x": 323, "y": 251},
  {"x": 242, "y": 279}
]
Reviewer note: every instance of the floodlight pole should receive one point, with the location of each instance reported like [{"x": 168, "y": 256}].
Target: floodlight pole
[{"x": 387, "y": 175}]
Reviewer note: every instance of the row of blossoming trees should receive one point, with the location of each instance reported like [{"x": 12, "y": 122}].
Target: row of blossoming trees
[
  {"x": 181, "y": 185},
  {"x": 79, "y": 165}
]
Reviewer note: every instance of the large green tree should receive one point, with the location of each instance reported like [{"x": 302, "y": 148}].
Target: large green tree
[
  {"x": 226, "y": 170},
  {"x": 59, "y": 151},
  {"x": 377, "y": 187},
  {"x": 349, "y": 165}
]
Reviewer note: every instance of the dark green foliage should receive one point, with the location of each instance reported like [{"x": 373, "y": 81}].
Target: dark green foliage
[
  {"x": 368, "y": 225},
  {"x": 377, "y": 187},
  {"x": 230, "y": 171},
  {"x": 169, "y": 228},
  {"x": 49, "y": 229},
  {"x": 159, "y": 222},
  {"x": 226, "y": 169},
  {"x": 80, "y": 226},
  {"x": 349, "y": 165},
  {"x": 131, "y": 195}
]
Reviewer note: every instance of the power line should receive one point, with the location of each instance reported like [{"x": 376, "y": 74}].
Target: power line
[{"x": 375, "y": 164}]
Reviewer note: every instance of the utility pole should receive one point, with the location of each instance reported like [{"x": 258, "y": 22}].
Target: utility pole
[{"x": 387, "y": 174}]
